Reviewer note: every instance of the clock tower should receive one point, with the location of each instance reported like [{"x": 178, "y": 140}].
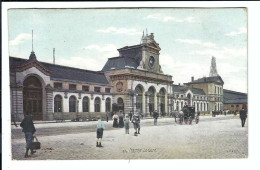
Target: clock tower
[{"x": 150, "y": 54}]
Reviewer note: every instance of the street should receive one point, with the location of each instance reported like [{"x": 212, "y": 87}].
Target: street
[{"x": 214, "y": 137}]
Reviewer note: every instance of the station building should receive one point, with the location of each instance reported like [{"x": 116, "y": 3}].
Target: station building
[{"x": 133, "y": 81}]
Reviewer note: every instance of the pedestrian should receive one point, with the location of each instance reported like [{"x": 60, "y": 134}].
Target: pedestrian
[
  {"x": 107, "y": 115},
  {"x": 155, "y": 116},
  {"x": 136, "y": 122},
  {"x": 121, "y": 120},
  {"x": 13, "y": 119},
  {"x": 198, "y": 118},
  {"x": 100, "y": 130},
  {"x": 130, "y": 115},
  {"x": 243, "y": 116},
  {"x": 126, "y": 120},
  {"x": 29, "y": 130},
  {"x": 115, "y": 121}
]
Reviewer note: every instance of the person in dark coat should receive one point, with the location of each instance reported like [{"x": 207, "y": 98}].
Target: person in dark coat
[
  {"x": 29, "y": 130},
  {"x": 130, "y": 115},
  {"x": 107, "y": 116},
  {"x": 243, "y": 116},
  {"x": 100, "y": 130},
  {"x": 155, "y": 116},
  {"x": 121, "y": 120},
  {"x": 136, "y": 122}
]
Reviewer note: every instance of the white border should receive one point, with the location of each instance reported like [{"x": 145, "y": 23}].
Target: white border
[{"x": 253, "y": 66}]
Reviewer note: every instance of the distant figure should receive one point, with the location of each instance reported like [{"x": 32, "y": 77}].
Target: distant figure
[
  {"x": 107, "y": 116},
  {"x": 243, "y": 116},
  {"x": 13, "y": 119},
  {"x": 155, "y": 116},
  {"x": 121, "y": 120},
  {"x": 100, "y": 129},
  {"x": 130, "y": 115},
  {"x": 115, "y": 121},
  {"x": 29, "y": 130},
  {"x": 126, "y": 120},
  {"x": 136, "y": 122},
  {"x": 198, "y": 118}
]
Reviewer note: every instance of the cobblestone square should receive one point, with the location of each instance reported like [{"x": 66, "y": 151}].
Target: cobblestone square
[{"x": 218, "y": 137}]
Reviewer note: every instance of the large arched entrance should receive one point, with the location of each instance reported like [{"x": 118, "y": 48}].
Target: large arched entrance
[
  {"x": 162, "y": 100},
  {"x": 32, "y": 97},
  {"x": 139, "y": 98},
  {"x": 151, "y": 92},
  {"x": 120, "y": 104}
]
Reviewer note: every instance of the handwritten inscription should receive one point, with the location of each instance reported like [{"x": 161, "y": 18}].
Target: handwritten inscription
[{"x": 134, "y": 150}]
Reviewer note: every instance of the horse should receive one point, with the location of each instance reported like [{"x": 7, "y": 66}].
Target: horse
[{"x": 177, "y": 114}]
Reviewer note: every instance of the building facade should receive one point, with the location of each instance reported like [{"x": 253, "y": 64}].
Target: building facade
[{"x": 132, "y": 82}]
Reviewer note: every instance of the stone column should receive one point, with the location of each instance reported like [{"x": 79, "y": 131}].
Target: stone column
[
  {"x": 147, "y": 104},
  {"x": 17, "y": 103},
  {"x": 49, "y": 103},
  {"x": 158, "y": 103}
]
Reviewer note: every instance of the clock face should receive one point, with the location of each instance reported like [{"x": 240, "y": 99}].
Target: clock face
[
  {"x": 151, "y": 61},
  {"x": 119, "y": 86}
]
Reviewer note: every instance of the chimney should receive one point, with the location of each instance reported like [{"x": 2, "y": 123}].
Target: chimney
[{"x": 192, "y": 79}]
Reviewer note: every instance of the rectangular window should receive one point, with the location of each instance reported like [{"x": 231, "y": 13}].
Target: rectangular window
[
  {"x": 107, "y": 90},
  {"x": 72, "y": 86},
  {"x": 58, "y": 85},
  {"x": 85, "y": 88},
  {"x": 97, "y": 89}
]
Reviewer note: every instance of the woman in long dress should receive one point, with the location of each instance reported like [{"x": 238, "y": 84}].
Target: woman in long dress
[
  {"x": 121, "y": 120},
  {"x": 115, "y": 120}
]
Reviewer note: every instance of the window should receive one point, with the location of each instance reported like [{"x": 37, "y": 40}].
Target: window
[
  {"x": 177, "y": 96},
  {"x": 181, "y": 96},
  {"x": 57, "y": 103},
  {"x": 237, "y": 105},
  {"x": 72, "y": 86},
  {"x": 97, "y": 104},
  {"x": 177, "y": 106},
  {"x": 108, "y": 105},
  {"x": 72, "y": 104},
  {"x": 107, "y": 90},
  {"x": 58, "y": 85},
  {"x": 97, "y": 89},
  {"x": 85, "y": 88},
  {"x": 85, "y": 104},
  {"x": 232, "y": 105},
  {"x": 215, "y": 89}
]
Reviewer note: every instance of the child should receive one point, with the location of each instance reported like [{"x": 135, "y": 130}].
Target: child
[
  {"x": 100, "y": 129},
  {"x": 126, "y": 124}
]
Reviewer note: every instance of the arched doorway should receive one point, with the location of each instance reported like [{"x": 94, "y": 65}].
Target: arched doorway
[
  {"x": 58, "y": 103},
  {"x": 85, "y": 104},
  {"x": 72, "y": 104},
  {"x": 151, "y": 92},
  {"x": 162, "y": 100},
  {"x": 139, "y": 98},
  {"x": 32, "y": 97},
  {"x": 189, "y": 99},
  {"x": 120, "y": 104},
  {"x": 108, "y": 105},
  {"x": 97, "y": 104}
]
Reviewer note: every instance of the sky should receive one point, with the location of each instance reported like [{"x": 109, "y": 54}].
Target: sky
[{"x": 86, "y": 38}]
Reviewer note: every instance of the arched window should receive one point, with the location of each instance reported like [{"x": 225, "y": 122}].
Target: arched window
[
  {"x": 205, "y": 107},
  {"x": 85, "y": 104},
  {"x": 162, "y": 100},
  {"x": 97, "y": 104},
  {"x": 139, "y": 98},
  {"x": 151, "y": 92},
  {"x": 57, "y": 103},
  {"x": 177, "y": 106},
  {"x": 108, "y": 105},
  {"x": 198, "y": 107},
  {"x": 181, "y": 104},
  {"x": 201, "y": 107},
  {"x": 72, "y": 104}
]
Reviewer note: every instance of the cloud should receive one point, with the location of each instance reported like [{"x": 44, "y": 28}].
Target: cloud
[
  {"x": 222, "y": 52},
  {"x": 21, "y": 38},
  {"x": 165, "y": 18},
  {"x": 105, "y": 48},
  {"x": 196, "y": 42},
  {"x": 113, "y": 30},
  {"x": 242, "y": 30}
]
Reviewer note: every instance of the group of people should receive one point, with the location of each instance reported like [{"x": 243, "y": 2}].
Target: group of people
[{"x": 124, "y": 121}]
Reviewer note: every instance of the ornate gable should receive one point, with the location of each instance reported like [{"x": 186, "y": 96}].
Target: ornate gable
[{"x": 32, "y": 62}]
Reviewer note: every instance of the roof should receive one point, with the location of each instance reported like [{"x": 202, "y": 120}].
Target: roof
[
  {"x": 120, "y": 63},
  {"x": 183, "y": 89},
  {"x": 65, "y": 73},
  {"x": 233, "y": 97},
  {"x": 216, "y": 79}
]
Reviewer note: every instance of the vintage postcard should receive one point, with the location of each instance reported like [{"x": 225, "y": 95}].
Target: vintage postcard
[{"x": 128, "y": 83}]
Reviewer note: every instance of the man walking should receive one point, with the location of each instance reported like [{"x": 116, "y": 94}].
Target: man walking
[
  {"x": 136, "y": 122},
  {"x": 243, "y": 116},
  {"x": 29, "y": 130}
]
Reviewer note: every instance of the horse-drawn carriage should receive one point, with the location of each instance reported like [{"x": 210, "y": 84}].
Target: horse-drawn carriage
[{"x": 187, "y": 114}]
